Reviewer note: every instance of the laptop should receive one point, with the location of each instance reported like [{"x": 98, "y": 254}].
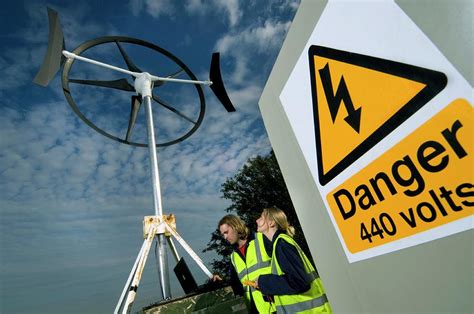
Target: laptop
[{"x": 185, "y": 277}]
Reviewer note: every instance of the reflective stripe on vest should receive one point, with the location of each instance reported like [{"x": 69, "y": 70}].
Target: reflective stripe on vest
[
  {"x": 251, "y": 269},
  {"x": 302, "y": 306},
  {"x": 263, "y": 260},
  {"x": 313, "y": 298},
  {"x": 260, "y": 263}
]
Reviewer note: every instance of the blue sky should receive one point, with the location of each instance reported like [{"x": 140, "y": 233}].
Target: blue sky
[{"x": 71, "y": 200}]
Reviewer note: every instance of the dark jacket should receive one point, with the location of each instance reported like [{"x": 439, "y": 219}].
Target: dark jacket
[{"x": 295, "y": 280}]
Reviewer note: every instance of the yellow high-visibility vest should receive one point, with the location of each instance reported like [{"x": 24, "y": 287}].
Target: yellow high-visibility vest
[
  {"x": 312, "y": 301},
  {"x": 256, "y": 263}
]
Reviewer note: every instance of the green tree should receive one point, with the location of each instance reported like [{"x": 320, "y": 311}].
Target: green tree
[{"x": 259, "y": 184}]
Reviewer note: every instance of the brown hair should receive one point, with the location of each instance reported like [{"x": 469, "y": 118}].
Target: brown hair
[
  {"x": 237, "y": 224},
  {"x": 278, "y": 216}
]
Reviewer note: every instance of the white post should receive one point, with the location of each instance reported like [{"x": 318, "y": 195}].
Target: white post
[
  {"x": 188, "y": 249},
  {"x": 162, "y": 257},
  {"x": 139, "y": 271},
  {"x": 129, "y": 280},
  {"x": 173, "y": 248}
]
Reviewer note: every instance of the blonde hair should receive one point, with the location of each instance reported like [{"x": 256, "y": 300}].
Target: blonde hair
[
  {"x": 278, "y": 216},
  {"x": 237, "y": 224}
]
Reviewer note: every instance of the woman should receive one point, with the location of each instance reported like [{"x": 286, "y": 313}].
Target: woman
[{"x": 293, "y": 283}]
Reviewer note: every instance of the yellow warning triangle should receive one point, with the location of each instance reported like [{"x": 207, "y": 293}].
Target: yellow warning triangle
[{"x": 358, "y": 100}]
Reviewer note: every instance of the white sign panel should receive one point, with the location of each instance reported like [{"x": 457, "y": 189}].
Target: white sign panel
[{"x": 385, "y": 123}]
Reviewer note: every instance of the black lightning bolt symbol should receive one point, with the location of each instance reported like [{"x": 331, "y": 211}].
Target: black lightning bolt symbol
[{"x": 342, "y": 95}]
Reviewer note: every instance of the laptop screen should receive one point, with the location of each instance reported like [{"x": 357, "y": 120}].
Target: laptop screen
[{"x": 185, "y": 277}]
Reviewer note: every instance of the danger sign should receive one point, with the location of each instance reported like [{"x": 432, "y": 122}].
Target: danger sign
[
  {"x": 415, "y": 186},
  {"x": 384, "y": 122},
  {"x": 370, "y": 98}
]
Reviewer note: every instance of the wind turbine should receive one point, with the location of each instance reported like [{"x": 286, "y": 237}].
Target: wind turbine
[{"x": 159, "y": 226}]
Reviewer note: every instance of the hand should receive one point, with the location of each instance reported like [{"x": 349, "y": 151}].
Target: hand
[
  {"x": 250, "y": 283},
  {"x": 216, "y": 277}
]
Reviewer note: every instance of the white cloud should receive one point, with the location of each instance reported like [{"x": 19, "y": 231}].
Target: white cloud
[
  {"x": 136, "y": 6},
  {"x": 241, "y": 70},
  {"x": 198, "y": 7},
  {"x": 51, "y": 152},
  {"x": 155, "y": 8},
  {"x": 261, "y": 38},
  {"x": 159, "y": 7},
  {"x": 228, "y": 8},
  {"x": 231, "y": 7},
  {"x": 15, "y": 67},
  {"x": 294, "y": 4},
  {"x": 247, "y": 97},
  {"x": 264, "y": 39},
  {"x": 280, "y": 6}
]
